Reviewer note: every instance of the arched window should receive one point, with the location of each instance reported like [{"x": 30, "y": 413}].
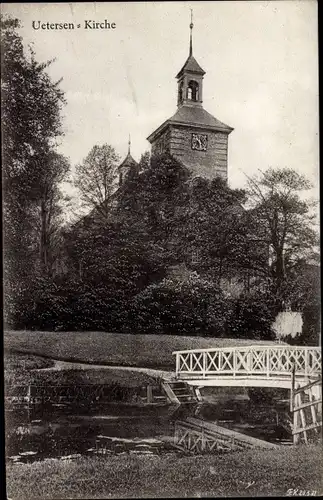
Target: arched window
[
  {"x": 193, "y": 91},
  {"x": 180, "y": 92}
]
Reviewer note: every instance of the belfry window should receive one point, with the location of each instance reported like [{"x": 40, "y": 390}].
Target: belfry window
[
  {"x": 193, "y": 91},
  {"x": 180, "y": 92}
]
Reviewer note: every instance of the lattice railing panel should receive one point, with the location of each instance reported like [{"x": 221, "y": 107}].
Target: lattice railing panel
[
  {"x": 259, "y": 361},
  {"x": 271, "y": 361}
]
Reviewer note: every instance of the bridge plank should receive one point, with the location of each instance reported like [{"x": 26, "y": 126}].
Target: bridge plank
[{"x": 307, "y": 428}]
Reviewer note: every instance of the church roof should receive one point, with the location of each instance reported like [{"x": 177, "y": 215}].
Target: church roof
[
  {"x": 191, "y": 65},
  {"x": 128, "y": 162},
  {"x": 197, "y": 115},
  {"x": 193, "y": 116}
]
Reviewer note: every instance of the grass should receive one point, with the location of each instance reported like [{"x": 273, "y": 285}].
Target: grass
[
  {"x": 243, "y": 474},
  {"x": 120, "y": 384},
  {"x": 80, "y": 377},
  {"x": 150, "y": 351},
  {"x": 26, "y": 362}
]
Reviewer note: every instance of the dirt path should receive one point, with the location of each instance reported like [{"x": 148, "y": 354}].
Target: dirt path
[{"x": 70, "y": 365}]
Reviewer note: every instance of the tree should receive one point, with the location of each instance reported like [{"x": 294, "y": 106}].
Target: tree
[
  {"x": 50, "y": 210},
  {"x": 31, "y": 105},
  {"x": 144, "y": 162},
  {"x": 211, "y": 233},
  {"x": 31, "y": 125},
  {"x": 283, "y": 221},
  {"x": 96, "y": 176}
]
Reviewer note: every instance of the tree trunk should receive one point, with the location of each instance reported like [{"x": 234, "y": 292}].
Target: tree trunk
[
  {"x": 44, "y": 238},
  {"x": 280, "y": 276}
]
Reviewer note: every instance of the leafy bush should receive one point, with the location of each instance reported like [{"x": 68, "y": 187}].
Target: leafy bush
[
  {"x": 180, "y": 306},
  {"x": 251, "y": 316},
  {"x": 67, "y": 305}
]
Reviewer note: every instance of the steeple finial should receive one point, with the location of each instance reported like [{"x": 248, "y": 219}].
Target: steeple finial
[
  {"x": 129, "y": 144},
  {"x": 191, "y": 28}
]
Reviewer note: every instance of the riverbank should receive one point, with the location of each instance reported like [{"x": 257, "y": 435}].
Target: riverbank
[
  {"x": 121, "y": 384},
  {"x": 243, "y": 474},
  {"x": 148, "y": 351}
]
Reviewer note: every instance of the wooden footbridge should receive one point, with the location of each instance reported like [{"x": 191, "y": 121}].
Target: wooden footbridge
[
  {"x": 296, "y": 368},
  {"x": 251, "y": 366}
]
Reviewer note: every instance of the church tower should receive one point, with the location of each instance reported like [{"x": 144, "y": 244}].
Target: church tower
[
  {"x": 192, "y": 135},
  {"x": 127, "y": 166}
]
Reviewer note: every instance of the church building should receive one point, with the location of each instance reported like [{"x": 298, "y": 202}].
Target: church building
[{"x": 192, "y": 135}]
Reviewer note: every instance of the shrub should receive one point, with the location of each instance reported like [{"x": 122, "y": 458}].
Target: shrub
[
  {"x": 67, "y": 305},
  {"x": 175, "y": 305},
  {"x": 251, "y": 316}
]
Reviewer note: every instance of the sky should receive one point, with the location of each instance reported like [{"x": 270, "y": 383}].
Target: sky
[{"x": 260, "y": 59}]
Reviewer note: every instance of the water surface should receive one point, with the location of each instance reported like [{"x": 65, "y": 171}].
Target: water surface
[{"x": 66, "y": 432}]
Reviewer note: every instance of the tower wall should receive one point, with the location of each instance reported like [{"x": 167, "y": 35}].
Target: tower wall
[
  {"x": 211, "y": 163},
  {"x": 162, "y": 143}
]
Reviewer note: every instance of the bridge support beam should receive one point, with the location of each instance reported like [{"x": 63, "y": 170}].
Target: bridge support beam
[
  {"x": 238, "y": 382},
  {"x": 197, "y": 391}
]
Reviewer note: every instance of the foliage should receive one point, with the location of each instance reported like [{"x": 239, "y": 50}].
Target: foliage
[
  {"x": 283, "y": 221},
  {"x": 252, "y": 316},
  {"x": 311, "y": 331},
  {"x": 31, "y": 106},
  {"x": 50, "y": 211},
  {"x": 49, "y": 304},
  {"x": 213, "y": 232},
  {"x": 95, "y": 177},
  {"x": 178, "y": 306},
  {"x": 30, "y": 114},
  {"x": 144, "y": 162}
]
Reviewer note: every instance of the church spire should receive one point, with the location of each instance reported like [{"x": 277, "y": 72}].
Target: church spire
[
  {"x": 128, "y": 165},
  {"x": 190, "y": 78},
  {"x": 191, "y": 34}
]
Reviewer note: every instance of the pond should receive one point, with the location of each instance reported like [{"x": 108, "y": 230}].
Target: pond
[{"x": 66, "y": 431}]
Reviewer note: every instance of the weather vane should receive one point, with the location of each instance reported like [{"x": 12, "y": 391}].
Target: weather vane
[{"x": 191, "y": 28}]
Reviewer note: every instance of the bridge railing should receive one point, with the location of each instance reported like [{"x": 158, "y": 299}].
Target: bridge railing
[{"x": 264, "y": 361}]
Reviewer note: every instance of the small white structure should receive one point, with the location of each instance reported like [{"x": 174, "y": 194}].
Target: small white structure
[{"x": 288, "y": 323}]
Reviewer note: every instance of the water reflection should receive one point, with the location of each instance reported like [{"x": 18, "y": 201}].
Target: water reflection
[
  {"x": 67, "y": 432},
  {"x": 194, "y": 438}
]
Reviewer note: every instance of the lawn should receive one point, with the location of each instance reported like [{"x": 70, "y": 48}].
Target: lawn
[
  {"x": 243, "y": 474},
  {"x": 23, "y": 369},
  {"x": 151, "y": 351}
]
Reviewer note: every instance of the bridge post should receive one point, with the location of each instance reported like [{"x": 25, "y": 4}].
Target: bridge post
[
  {"x": 249, "y": 361},
  {"x": 204, "y": 363},
  {"x": 177, "y": 364},
  {"x": 292, "y": 389},
  {"x": 28, "y": 397},
  {"x": 306, "y": 362},
  {"x": 268, "y": 363},
  {"x": 203, "y": 440},
  {"x": 150, "y": 398}
]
